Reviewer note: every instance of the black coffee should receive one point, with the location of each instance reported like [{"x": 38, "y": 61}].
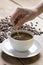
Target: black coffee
[{"x": 21, "y": 36}]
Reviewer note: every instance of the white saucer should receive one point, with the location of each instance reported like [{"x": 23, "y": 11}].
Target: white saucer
[{"x": 8, "y": 49}]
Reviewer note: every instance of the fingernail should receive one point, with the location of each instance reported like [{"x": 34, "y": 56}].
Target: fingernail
[{"x": 16, "y": 27}]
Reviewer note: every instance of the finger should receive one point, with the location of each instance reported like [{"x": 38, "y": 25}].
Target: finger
[
  {"x": 18, "y": 25},
  {"x": 15, "y": 15},
  {"x": 18, "y": 14},
  {"x": 26, "y": 18},
  {"x": 21, "y": 21}
]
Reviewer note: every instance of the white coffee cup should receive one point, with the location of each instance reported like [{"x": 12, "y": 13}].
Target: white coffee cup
[{"x": 21, "y": 45}]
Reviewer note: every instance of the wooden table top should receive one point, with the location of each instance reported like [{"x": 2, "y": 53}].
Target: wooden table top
[{"x": 8, "y": 60}]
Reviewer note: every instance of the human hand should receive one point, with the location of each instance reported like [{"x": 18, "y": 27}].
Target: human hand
[{"x": 21, "y": 16}]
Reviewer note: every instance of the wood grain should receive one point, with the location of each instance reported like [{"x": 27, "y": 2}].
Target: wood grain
[{"x": 8, "y": 10}]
